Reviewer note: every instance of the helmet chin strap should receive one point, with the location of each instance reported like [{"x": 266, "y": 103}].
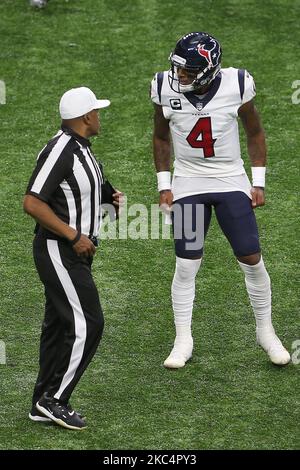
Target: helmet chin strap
[
  {"x": 181, "y": 88},
  {"x": 186, "y": 88},
  {"x": 197, "y": 83}
]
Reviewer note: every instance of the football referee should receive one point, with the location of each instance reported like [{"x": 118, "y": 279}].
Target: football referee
[{"x": 64, "y": 197}]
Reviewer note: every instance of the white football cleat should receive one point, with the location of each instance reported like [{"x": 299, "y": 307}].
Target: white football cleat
[
  {"x": 267, "y": 339},
  {"x": 180, "y": 354},
  {"x": 38, "y": 3}
]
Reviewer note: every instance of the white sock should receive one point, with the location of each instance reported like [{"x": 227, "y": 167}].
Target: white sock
[
  {"x": 258, "y": 286},
  {"x": 183, "y": 294}
]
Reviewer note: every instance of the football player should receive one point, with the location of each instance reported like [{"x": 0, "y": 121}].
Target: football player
[{"x": 197, "y": 106}]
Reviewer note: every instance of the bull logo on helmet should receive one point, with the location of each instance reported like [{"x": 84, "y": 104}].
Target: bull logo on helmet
[{"x": 205, "y": 53}]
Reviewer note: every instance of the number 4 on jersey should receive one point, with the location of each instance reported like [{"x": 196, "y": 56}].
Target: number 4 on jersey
[{"x": 203, "y": 128}]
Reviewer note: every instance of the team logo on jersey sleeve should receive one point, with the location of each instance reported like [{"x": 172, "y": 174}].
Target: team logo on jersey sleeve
[{"x": 175, "y": 104}]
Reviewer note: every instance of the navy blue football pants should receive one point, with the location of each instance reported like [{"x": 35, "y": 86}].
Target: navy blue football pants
[{"x": 191, "y": 218}]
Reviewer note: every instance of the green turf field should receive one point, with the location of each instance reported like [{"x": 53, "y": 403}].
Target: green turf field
[{"x": 229, "y": 396}]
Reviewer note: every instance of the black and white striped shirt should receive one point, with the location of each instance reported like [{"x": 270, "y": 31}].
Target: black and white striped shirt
[{"x": 68, "y": 178}]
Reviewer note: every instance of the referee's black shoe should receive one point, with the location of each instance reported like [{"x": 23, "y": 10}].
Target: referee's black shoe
[
  {"x": 59, "y": 413},
  {"x": 38, "y": 417}
]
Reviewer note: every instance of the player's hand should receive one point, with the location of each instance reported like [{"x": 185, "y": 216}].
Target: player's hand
[
  {"x": 118, "y": 201},
  {"x": 118, "y": 198},
  {"x": 84, "y": 247},
  {"x": 166, "y": 201},
  {"x": 258, "y": 197}
]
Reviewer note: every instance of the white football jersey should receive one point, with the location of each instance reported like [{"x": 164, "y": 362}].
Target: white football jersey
[{"x": 204, "y": 128}]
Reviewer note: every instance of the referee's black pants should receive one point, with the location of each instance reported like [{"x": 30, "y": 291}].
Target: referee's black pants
[{"x": 73, "y": 322}]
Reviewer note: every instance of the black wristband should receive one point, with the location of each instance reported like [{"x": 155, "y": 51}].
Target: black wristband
[{"x": 72, "y": 242}]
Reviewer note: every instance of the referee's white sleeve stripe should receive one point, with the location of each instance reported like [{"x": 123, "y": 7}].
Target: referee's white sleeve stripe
[
  {"x": 79, "y": 319},
  {"x": 84, "y": 185},
  {"x": 71, "y": 203},
  {"x": 96, "y": 195},
  {"x": 98, "y": 213},
  {"x": 49, "y": 163}
]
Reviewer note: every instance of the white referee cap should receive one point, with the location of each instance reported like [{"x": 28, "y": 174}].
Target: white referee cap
[{"x": 79, "y": 101}]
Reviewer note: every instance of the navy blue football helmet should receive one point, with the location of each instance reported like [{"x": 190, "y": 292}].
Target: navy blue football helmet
[{"x": 197, "y": 53}]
